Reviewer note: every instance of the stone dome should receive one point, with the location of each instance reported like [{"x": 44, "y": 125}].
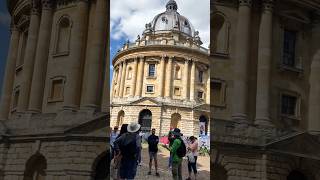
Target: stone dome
[{"x": 172, "y": 20}]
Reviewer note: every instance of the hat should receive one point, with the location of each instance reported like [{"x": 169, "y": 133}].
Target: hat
[
  {"x": 176, "y": 131},
  {"x": 133, "y": 127}
]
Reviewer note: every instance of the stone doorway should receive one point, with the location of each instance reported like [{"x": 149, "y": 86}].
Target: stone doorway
[
  {"x": 101, "y": 167},
  {"x": 175, "y": 121},
  {"x": 296, "y": 175},
  {"x": 203, "y": 125},
  {"x": 145, "y": 120},
  {"x": 36, "y": 168}
]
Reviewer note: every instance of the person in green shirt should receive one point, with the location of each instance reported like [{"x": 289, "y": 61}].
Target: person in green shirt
[{"x": 176, "y": 160}]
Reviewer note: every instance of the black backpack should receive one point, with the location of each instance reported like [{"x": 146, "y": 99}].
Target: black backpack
[
  {"x": 182, "y": 150},
  {"x": 129, "y": 150}
]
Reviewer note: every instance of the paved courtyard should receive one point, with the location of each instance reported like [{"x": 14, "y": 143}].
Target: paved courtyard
[{"x": 165, "y": 173}]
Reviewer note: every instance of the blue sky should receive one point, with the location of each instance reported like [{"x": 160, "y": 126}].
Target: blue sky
[{"x": 5, "y": 36}]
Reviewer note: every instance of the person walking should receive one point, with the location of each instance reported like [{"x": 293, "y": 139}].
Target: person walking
[
  {"x": 153, "y": 141},
  {"x": 170, "y": 139},
  {"x": 113, "y": 135},
  {"x": 178, "y": 151},
  {"x": 128, "y": 145},
  {"x": 192, "y": 157}
]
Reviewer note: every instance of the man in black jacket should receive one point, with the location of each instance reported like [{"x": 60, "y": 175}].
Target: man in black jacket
[{"x": 153, "y": 141}]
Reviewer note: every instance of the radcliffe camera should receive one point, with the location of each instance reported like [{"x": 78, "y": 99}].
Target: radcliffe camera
[{"x": 160, "y": 90}]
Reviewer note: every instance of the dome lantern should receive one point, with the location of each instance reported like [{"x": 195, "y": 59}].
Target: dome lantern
[{"x": 172, "y": 6}]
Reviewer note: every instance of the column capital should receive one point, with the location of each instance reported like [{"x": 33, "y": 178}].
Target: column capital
[
  {"x": 267, "y": 5},
  {"x": 35, "y": 9},
  {"x": 245, "y": 3},
  {"x": 47, "y": 4}
]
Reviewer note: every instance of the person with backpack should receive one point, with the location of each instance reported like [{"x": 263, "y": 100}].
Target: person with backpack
[
  {"x": 128, "y": 145},
  {"x": 178, "y": 150},
  {"x": 153, "y": 141}
]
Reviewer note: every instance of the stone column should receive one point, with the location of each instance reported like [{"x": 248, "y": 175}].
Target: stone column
[
  {"x": 77, "y": 47},
  {"x": 119, "y": 78},
  {"x": 93, "y": 77},
  {"x": 192, "y": 81},
  {"x": 41, "y": 60},
  {"x": 186, "y": 79},
  {"x": 264, "y": 63},
  {"x": 112, "y": 84},
  {"x": 9, "y": 75},
  {"x": 140, "y": 77},
  {"x": 123, "y": 78},
  {"x": 169, "y": 78},
  {"x": 134, "y": 77},
  {"x": 161, "y": 77},
  {"x": 29, "y": 58},
  {"x": 240, "y": 86}
]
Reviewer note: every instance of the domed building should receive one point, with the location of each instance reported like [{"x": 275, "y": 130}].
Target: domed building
[{"x": 162, "y": 80}]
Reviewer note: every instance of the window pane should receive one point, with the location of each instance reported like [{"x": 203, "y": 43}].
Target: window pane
[
  {"x": 56, "y": 91},
  {"x": 289, "y": 47},
  {"x": 288, "y": 105},
  {"x": 152, "y": 68},
  {"x": 216, "y": 90},
  {"x": 149, "y": 88},
  {"x": 200, "y": 76}
]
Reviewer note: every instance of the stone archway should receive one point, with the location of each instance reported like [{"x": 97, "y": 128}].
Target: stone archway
[
  {"x": 100, "y": 168},
  {"x": 145, "y": 120},
  {"x": 35, "y": 168},
  {"x": 175, "y": 121},
  {"x": 296, "y": 175},
  {"x": 120, "y": 118},
  {"x": 203, "y": 125},
  {"x": 219, "y": 173}
]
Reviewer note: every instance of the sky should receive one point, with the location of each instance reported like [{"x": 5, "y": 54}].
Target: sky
[
  {"x": 128, "y": 19},
  {"x": 4, "y": 36}
]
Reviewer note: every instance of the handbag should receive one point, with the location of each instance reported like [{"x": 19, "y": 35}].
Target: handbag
[{"x": 191, "y": 158}]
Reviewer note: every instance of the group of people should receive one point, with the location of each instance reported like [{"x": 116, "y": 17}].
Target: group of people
[{"x": 126, "y": 149}]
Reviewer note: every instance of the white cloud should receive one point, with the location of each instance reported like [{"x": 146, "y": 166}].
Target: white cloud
[{"x": 128, "y": 17}]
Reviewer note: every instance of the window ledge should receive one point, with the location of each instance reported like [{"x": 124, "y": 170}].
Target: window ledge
[
  {"x": 222, "y": 55},
  {"x": 61, "y": 54},
  {"x": 290, "y": 117},
  {"x": 220, "y": 105},
  {"x": 149, "y": 92},
  {"x": 19, "y": 68},
  {"x": 151, "y": 77},
  {"x": 54, "y": 100},
  {"x": 284, "y": 67},
  {"x": 201, "y": 83}
]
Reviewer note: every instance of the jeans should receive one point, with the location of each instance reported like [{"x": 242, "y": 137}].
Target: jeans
[
  {"x": 170, "y": 160},
  {"x": 176, "y": 171},
  {"x": 128, "y": 168},
  {"x": 193, "y": 166}
]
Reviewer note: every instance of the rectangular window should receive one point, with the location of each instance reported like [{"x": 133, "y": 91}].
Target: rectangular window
[
  {"x": 289, "y": 48},
  {"x": 15, "y": 99},
  {"x": 288, "y": 105},
  {"x": 56, "y": 93},
  {"x": 177, "y": 91},
  {"x": 150, "y": 89},
  {"x": 127, "y": 90},
  {"x": 216, "y": 93},
  {"x": 200, "y": 94},
  {"x": 200, "y": 78},
  {"x": 152, "y": 70}
]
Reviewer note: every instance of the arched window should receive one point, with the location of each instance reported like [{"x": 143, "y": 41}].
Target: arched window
[
  {"x": 35, "y": 168},
  {"x": 220, "y": 32},
  {"x": 120, "y": 118},
  {"x": 175, "y": 121},
  {"x": 177, "y": 72},
  {"x": 203, "y": 125},
  {"x": 145, "y": 120},
  {"x": 63, "y": 35}
]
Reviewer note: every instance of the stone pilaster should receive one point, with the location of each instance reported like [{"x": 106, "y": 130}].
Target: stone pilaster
[
  {"x": 240, "y": 81},
  {"x": 208, "y": 88},
  {"x": 140, "y": 77},
  {"x": 31, "y": 46},
  {"x": 41, "y": 60},
  {"x": 161, "y": 77},
  {"x": 169, "y": 78},
  {"x": 186, "y": 80},
  {"x": 77, "y": 46},
  {"x": 113, "y": 84},
  {"x": 93, "y": 77},
  {"x": 9, "y": 74},
  {"x": 123, "y": 78},
  {"x": 264, "y": 64},
  {"x": 134, "y": 77},
  {"x": 119, "y": 79},
  {"x": 192, "y": 80}
]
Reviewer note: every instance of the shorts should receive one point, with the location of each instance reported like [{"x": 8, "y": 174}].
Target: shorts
[{"x": 153, "y": 155}]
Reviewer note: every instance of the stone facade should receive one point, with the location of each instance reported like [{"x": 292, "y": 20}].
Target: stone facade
[
  {"x": 264, "y": 89},
  {"x": 55, "y": 102},
  {"x": 164, "y": 73}
]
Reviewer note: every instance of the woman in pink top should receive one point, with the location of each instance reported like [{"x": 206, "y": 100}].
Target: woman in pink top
[{"x": 192, "y": 163}]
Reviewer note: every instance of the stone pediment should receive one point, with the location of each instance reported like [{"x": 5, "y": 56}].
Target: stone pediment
[
  {"x": 97, "y": 126},
  {"x": 146, "y": 102},
  {"x": 302, "y": 145}
]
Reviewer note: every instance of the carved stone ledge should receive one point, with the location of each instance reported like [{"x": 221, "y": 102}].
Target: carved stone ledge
[{"x": 245, "y": 3}]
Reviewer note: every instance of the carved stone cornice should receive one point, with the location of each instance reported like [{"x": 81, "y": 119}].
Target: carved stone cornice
[{"x": 268, "y": 5}]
